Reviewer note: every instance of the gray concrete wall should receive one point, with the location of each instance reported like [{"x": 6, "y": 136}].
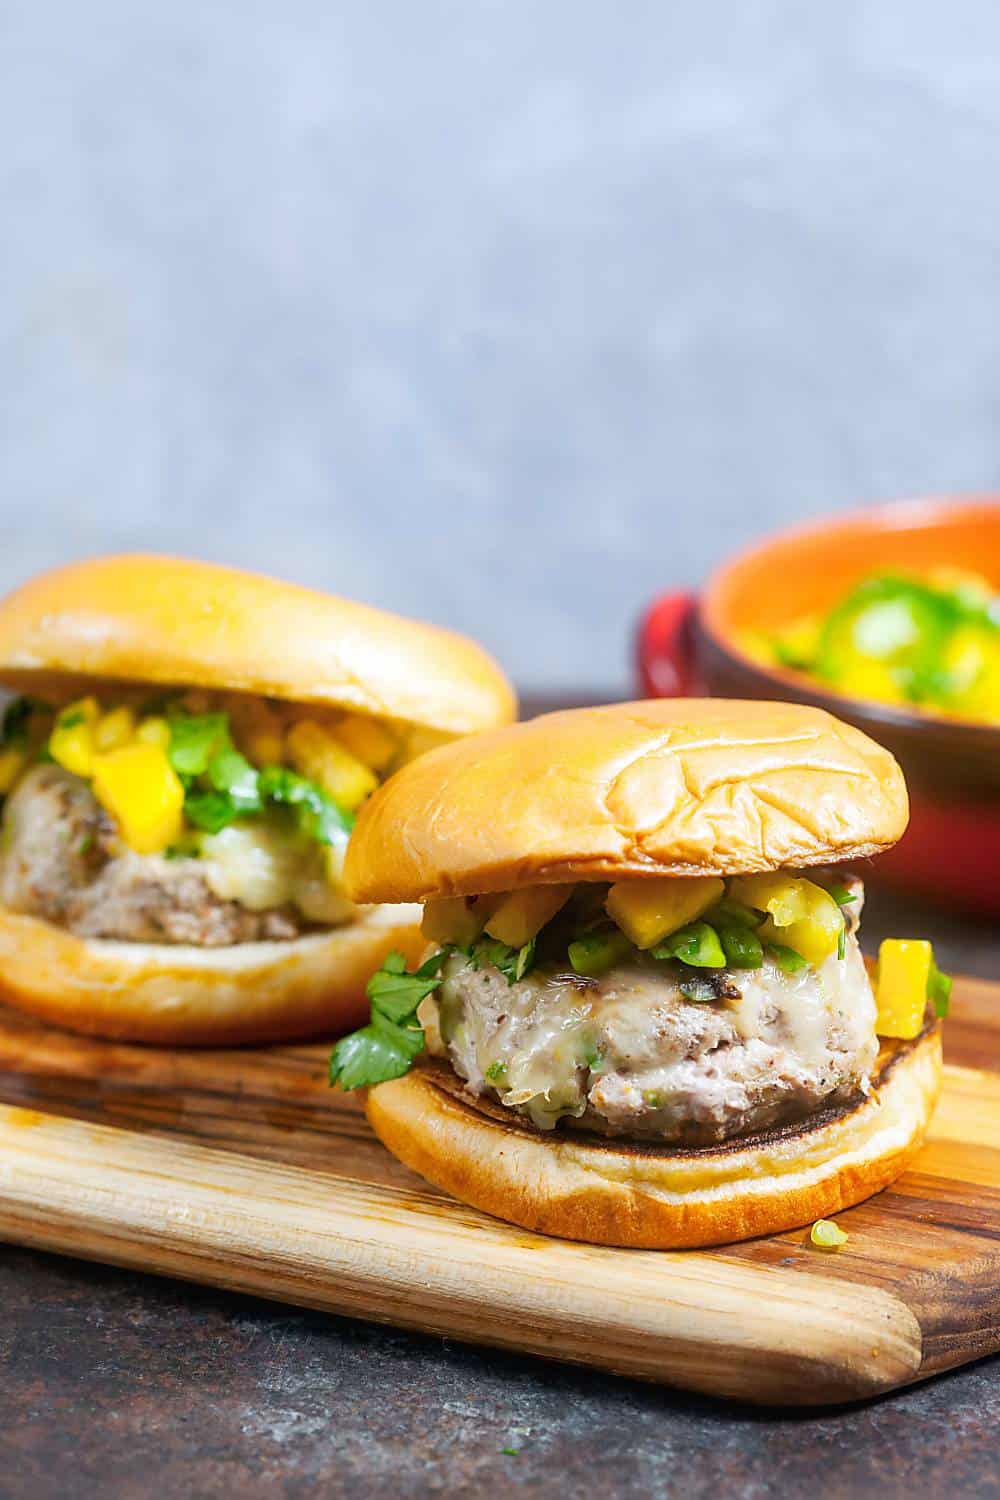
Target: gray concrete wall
[{"x": 503, "y": 313}]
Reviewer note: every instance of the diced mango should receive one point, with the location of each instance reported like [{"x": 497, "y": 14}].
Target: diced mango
[
  {"x": 521, "y": 915},
  {"x": 315, "y": 753},
  {"x": 114, "y": 729},
  {"x": 154, "y": 731},
  {"x": 71, "y": 743},
  {"x": 12, "y": 763},
  {"x": 647, "y": 911},
  {"x": 801, "y": 914},
  {"x": 904, "y": 967},
  {"x": 141, "y": 790},
  {"x": 457, "y": 919},
  {"x": 369, "y": 740}
]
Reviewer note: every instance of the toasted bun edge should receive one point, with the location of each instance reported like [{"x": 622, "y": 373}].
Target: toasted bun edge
[
  {"x": 204, "y": 997},
  {"x": 609, "y": 1193}
]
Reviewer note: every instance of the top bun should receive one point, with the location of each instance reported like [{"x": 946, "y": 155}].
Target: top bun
[
  {"x": 194, "y": 624},
  {"x": 667, "y": 787}
]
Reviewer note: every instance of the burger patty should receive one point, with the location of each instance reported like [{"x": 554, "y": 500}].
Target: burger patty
[
  {"x": 630, "y": 1055},
  {"x": 61, "y": 860}
]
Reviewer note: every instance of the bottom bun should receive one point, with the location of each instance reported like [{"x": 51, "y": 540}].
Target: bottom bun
[
  {"x": 187, "y": 996},
  {"x": 611, "y": 1192}
]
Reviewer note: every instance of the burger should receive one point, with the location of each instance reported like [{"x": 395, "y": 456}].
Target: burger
[
  {"x": 643, "y": 1017},
  {"x": 180, "y": 769}
]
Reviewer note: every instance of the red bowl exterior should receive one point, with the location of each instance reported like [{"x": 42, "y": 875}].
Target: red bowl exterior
[{"x": 951, "y": 850}]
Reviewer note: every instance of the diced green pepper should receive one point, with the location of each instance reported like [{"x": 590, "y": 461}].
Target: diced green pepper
[
  {"x": 939, "y": 990},
  {"x": 594, "y": 953},
  {"x": 788, "y": 961},
  {"x": 743, "y": 948},
  {"x": 731, "y": 913},
  {"x": 697, "y": 944}
]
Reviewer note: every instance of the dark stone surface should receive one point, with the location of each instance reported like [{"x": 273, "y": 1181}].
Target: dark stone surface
[{"x": 114, "y": 1384}]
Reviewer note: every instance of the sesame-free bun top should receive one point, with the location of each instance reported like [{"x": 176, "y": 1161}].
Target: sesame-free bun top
[
  {"x": 667, "y": 787},
  {"x": 194, "y": 624}
]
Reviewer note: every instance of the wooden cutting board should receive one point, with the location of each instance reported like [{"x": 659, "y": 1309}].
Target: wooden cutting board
[{"x": 243, "y": 1170}]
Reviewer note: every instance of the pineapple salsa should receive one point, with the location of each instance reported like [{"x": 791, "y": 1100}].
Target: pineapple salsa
[
  {"x": 688, "y": 1009},
  {"x": 176, "y": 817}
]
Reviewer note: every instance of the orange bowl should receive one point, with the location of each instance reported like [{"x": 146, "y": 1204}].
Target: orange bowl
[{"x": 689, "y": 643}]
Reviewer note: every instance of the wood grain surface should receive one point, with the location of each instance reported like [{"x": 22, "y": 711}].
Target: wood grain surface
[{"x": 241, "y": 1169}]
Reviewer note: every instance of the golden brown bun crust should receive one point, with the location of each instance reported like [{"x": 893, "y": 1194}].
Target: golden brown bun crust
[
  {"x": 666, "y": 787},
  {"x": 254, "y": 992},
  {"x": 167, "y": 620},
  {"x": 610, "y": 1193}
]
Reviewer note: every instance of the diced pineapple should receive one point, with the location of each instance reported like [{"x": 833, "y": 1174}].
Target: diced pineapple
[
  {"x": 114, "y": 729},
  {"x": 369, "y": 740},
  {"x": 802, "y": 915},
  {"x": 521, "y": 915},
  {"x": 457, "y": 919},
  {"x": 71, "y": 743},
  {"x": 904, "y": 967},
  {"x": 154, "y": 731},
  {"x": 12, "y": 763},
  {"x": 317, "y": 754},
  {"x": 647, "y": 911},
  {"x": 142, "y": 792}
]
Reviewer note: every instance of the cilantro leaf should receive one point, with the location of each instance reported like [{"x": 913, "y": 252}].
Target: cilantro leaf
[
  {"x": 210, "y": 811},
  {"x": 379, "y": 1051},
  {"x": 387, "y": 1046},
  {"x": 395, "y": 993},
  {"x": 194, "y": 739},
  {"x": 231, "y": 773},
  {"x": 316, "y": 814},
  {"x": 513, "y": 963}
]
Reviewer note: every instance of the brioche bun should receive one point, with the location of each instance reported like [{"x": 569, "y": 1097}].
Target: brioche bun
[
  {"x": 195, "y": 624},
  {"x": 611, "y": 1192},
  {"x": 204, "y": 997},
  {"x": 666, "y": 787}
]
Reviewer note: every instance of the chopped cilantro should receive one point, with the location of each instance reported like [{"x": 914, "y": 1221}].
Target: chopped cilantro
[
  {"x": 387, "y": 1046},
  {"x": 317, "y": 815},
  {"x": 86, "y": 842},
  {"x": 221, "y": 785},
  {"x": 511, "y": 1452},
  {"x": 72, "y": 719},
  {"x": 396, "y": 993},
  {"x": 379, "y": 1051},
  {"x": 210, "y": 811},
  {"x": 232, "y": 774},
  {"x": 496, "y": 1072},
  {"x": 513, "y": 963},
  {"x": 194, "y": 739}
]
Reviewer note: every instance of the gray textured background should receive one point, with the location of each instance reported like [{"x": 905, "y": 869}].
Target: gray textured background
[{"x": 502, "y": 313}]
